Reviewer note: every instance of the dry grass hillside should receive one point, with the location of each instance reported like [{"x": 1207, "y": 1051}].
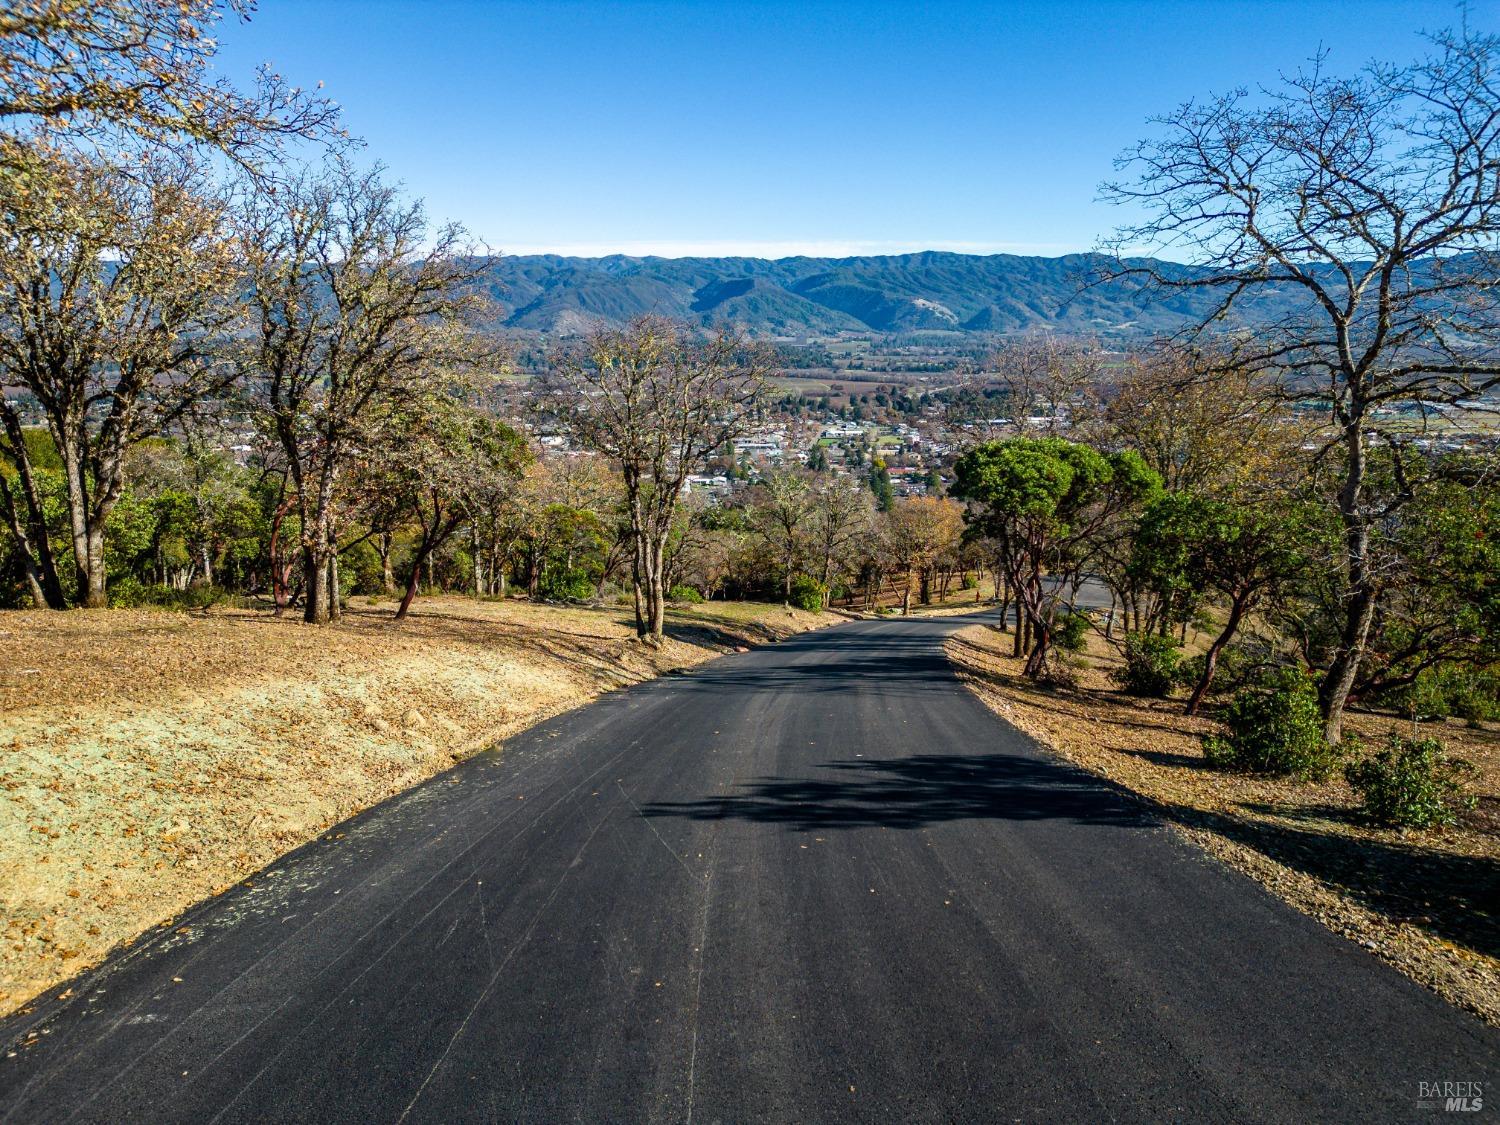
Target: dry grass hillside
[
  {"x": 150, "y": 758},
  {"x": 1425, "y": 901}
]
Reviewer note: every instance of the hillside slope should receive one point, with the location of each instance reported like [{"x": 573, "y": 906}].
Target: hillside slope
[
  {"x": 185, "y": 752},
  {"x": 930, "y": 291}
]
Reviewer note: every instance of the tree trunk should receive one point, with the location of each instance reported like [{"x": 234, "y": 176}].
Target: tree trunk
[
  {"x": 385, "y": 546},
  {"x": 474, "y": 551},
  {"x": 1211, "y": 658},
  {"x": 424, "y": 550},
  {"x": 315, "y": 586},
  {"x": 1333, "y": 692},
  {"x": 93, "y": 594},
  {"x": 335, "y": 601},
  {"x": 36, "y": 583},
  {"x": 30, "y": 526}
]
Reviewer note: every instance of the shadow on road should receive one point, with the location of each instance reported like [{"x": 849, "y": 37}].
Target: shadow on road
[
  {"x": 890, "y": 662},
  {"x": 1453, "y": 896},
  {"x": 915, "y": 792}
]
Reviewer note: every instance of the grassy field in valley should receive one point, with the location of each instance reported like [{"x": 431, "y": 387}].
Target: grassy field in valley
[{"x": 151, "y": 758}]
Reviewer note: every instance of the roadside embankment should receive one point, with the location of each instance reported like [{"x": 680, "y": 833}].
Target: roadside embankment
[
  {"x": 149, "y": 759},
  {"x": 1427, "y": 902}
]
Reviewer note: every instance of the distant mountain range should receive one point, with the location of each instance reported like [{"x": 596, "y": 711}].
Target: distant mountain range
[{"x": 931, "y": 291}]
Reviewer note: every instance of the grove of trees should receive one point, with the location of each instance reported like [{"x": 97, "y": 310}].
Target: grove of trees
[{"x": 236, "y": 361}]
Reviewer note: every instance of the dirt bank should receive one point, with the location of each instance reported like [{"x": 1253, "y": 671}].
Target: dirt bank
[
  {"x": 151, "y": 758},
  {"x": 1424, "y": 901}
]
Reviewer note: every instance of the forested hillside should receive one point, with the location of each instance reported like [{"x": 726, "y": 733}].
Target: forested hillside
[{"x": 887, "y": 293}]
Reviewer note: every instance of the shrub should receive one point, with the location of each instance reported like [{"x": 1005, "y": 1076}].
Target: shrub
[
  {"x": 968, "y": 582},
  {"x": 1274, "y": 729},
  {"x": 1239, "y": 666},
  {"x": 360, "y": 567},
  {"x": 1412, "y": 783},
  {"x": 683, "y": 593},
  {"x": 1071, "y": 631},
  {"x": 1461, "y": 691},
  {"x": 128, "y": 592},
  {"x": 1059, "y": 672},
  {"x": 566, "y": 586},
  {"x": 808, "y": 594},
  {"x": 1150, "y": 662}
]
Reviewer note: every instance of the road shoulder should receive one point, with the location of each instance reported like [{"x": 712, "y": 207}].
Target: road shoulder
[{"x": 1422, "y": 902}]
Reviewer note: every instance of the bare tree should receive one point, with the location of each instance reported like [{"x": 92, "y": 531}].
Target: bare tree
[
  {"x": 1367, "y": 210},
  {"x": 112, "y": 70},
  {"x": 353, "y": 307},
  {"x": 1046, "y": 381},
  {"x": 114, "y": 294},
  {"x": 781, "y": 510},
  {"x": 843, "y": 512},
  {"x": 659, "y": 405},
  {"x": 918, "y": 531}
]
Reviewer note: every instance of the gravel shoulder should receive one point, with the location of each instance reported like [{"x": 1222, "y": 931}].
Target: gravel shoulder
[
  {"x": 149, "y": 759},
  {"x": 1425, "y": 902}
]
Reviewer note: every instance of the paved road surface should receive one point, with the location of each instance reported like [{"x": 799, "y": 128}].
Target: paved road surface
[{"x": 815, "y": 882}]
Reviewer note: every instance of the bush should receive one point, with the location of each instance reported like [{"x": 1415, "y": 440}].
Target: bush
[
  {"x": 1274, "y": 729},
  {"x": 1150, "y": 664},
  {"x": 1238, "y": 667},
  {"x": 808, "y": 593},
  {"x": 566, "y": 586},
  {"x": 1412, "y": 783},
  {"x": 128, "y": 592},
  {"x": 360, "y": 568},
  {"x": 686, "y": 594},
  {"x": 1071, "y": 631},
  {"x": 1460, "y": 691}
]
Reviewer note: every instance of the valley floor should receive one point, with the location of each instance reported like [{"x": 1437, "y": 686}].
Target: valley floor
[
  {"x": 1424, "y": 901},
  {"x": 151, "y": 758}
]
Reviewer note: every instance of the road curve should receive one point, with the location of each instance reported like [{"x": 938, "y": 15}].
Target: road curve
[{"x": 814, "y": 882}]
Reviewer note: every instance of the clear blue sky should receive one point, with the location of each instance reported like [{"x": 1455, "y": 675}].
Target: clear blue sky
[{"x": 772, "y": 127}]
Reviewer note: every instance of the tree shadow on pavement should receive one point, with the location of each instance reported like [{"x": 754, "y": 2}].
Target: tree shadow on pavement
[
  {"x": 916, "y": 792},
  {"x": 1453, "y": 896}
]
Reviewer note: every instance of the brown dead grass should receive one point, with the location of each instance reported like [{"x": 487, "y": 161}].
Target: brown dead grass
[
  {"x": 151, "y": 758},
  {"x": 1425, "y": 902}
]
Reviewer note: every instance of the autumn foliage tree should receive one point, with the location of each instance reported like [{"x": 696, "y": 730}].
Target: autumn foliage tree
[
  {"x": 658, "y": 403},
  {"x": 918, "y": 531},
  {"x": 141, "y": 72},
  {"x": 354, "y": 303}
]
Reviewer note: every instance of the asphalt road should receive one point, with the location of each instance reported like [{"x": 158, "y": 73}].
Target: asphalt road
[{"x": 814, "y": 882}]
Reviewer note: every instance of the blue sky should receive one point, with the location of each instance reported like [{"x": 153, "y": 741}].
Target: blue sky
[{"x": 773, "y": 128}]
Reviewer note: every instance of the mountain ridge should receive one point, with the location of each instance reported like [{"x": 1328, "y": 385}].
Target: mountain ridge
[{"x": 923, "y": 291}]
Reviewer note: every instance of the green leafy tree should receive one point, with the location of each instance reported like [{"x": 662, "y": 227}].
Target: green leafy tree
[
  {"x": 1189, "y": 544},
  {"x": 1048, "y": 503}
]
